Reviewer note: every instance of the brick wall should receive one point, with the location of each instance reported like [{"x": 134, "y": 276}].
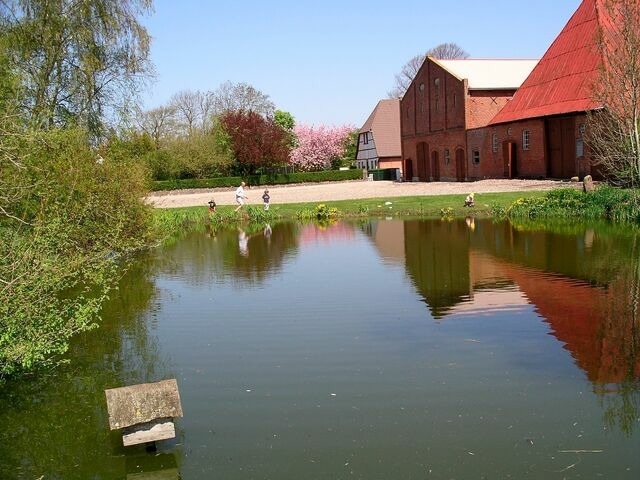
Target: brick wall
[
  {"x": 407, "y": 112},
  {"x": 436, "y": 109},
  {"x": 483, "y": 105},
  {"x": 530, "y": 163}
]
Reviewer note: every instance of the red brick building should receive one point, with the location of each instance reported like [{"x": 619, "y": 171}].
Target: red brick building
[
  {"x": 539, "y": 133},
  {"x": 446, "y": 99},
  {"x": 473, "y": 119}
]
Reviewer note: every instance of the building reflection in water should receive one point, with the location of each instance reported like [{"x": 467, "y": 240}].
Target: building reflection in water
[{"x": 585, "y": 284}]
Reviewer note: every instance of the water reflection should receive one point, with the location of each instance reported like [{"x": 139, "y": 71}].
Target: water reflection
[
  {"x": 307, "y": 346},
  {"x": 437, "y": 260},
  {"x": 584, "y": 285},
  {"x": 243, "y": 243},
  {"x": 55, "y": 425},
  {"x": 247, "y": 255}
]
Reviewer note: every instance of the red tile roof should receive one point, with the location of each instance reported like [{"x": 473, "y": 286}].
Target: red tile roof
[
  {"x": 384, "y": 123},
  {"x": 561, "y": 82}
]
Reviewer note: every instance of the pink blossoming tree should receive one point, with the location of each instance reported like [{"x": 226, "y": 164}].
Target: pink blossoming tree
[{"x": 319, "y": 146}]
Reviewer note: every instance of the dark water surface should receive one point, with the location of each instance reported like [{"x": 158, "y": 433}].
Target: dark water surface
[{"x": 381, "y": 350}]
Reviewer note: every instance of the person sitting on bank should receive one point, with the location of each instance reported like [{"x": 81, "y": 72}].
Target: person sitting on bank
[
  {"x": 212, "y": 206},
  {"x": 469, "y": 201}
]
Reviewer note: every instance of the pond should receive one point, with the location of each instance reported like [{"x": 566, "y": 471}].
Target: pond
[{"x": 383, "y": 349}]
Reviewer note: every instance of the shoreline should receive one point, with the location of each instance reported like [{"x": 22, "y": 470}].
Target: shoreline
[{"x": 348, "y": 190}]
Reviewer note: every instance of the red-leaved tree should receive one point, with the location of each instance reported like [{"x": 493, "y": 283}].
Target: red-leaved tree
[
  {"x": 256, "y": 142},
  {"x": 319, "y": 146}
]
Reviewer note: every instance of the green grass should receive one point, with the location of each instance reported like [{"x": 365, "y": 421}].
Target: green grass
[
  {"x": 605, "y": 203},
  {"x": 423, "y": 206}
]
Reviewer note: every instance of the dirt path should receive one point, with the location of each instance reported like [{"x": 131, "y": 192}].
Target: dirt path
[{"x": 326, "y": 192}]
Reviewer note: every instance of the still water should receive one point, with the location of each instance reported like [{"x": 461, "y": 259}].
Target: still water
[{"x": 380, "y": 350}]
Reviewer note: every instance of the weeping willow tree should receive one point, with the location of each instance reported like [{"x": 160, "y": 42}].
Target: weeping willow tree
[
  {"x": 80, "y": 61},
  {"x": 613, "y": 132}
]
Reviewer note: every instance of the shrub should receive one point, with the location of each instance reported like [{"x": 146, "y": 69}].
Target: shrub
[
  {"x": 622, "y": 205},
  {"x": 77, "y": 217},
  {"x": 162, "y": 166}
]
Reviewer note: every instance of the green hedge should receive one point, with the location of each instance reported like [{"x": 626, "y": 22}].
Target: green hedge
[{"x": 254, "y": 180}]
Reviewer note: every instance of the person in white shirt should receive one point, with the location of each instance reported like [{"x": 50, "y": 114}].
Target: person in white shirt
[{"x": 240, "y": 196}]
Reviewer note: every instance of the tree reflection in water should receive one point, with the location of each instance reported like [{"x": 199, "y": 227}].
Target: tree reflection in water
[{"x": 55, "y": 423}]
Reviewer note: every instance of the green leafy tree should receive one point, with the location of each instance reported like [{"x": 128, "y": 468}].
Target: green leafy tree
[
  {"x": 199, "y": 156},
  {"x": 284, "y": 119},
  {"x": 130, "y": 145},
  {"x": 80, "y": 62},
  {"x": 350, "y": 148},
  {"x": 68, "y": 211},
  {"x": 288, "y": 123},
  {"x": 67, "y": 216}
]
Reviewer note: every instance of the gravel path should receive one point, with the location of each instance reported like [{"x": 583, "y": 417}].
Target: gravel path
[{"x": 356, "y": 189}]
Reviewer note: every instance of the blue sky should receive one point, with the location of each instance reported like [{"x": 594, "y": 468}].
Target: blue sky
[{"x": 329, "y": 62}]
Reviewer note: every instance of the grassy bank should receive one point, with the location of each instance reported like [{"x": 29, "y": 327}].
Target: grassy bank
[
  {"x": 605, "y": 203},
  {"x": 425, "y": 206}
]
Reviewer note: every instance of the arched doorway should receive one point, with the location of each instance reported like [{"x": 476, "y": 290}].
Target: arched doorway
[
  {"x": 423, "y": 162},
  {"x": 408, "y": 170},
  {"x": 461, "y": 166},
  {"x": 435, "y": 166}
]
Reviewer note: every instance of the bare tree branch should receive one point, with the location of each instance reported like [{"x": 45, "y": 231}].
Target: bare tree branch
[
  {"x": 444, "y": 51},
  {"x": 613, "y": 132}
]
